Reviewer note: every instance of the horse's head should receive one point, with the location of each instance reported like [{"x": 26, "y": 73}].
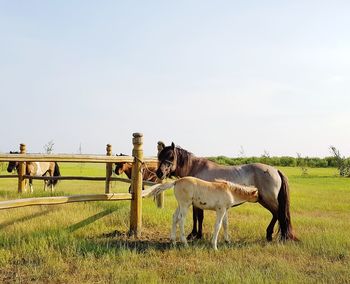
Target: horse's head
[
  {"x": 12, "y": 164},
  {"x": 121, "y": 167},
  {"x": 167, "y": 161}
]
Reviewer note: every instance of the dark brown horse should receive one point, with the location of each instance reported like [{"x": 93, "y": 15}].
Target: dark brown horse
[
  {"x": 38, "y": 169},
  {"x": 271, "y": 183},
  {"x": 148, "y": 172}
]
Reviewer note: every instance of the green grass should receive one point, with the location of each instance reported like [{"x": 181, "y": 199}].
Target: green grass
[{"x": 88, "y": 242}]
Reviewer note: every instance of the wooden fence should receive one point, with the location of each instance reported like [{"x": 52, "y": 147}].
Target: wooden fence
[{"x": 136, "y": 180}]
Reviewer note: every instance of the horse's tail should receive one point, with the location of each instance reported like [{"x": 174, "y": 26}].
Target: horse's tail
[
  {"x": 284, "y": 218},
  {"x": 154, "y": 190},
  {"x": 56, "y": 173}
]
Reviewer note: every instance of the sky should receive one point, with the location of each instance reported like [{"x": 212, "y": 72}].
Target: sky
[{"x": 233, "y": 78}]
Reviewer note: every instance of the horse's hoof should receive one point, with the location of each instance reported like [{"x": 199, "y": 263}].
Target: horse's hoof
[
  {"x": 191, "y": 236},
  {"x": 198, "y": 237}
]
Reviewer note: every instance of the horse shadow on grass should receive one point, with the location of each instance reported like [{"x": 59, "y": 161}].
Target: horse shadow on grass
[
  {"x": 150, "y": 240},
  {"x": 118, "y": 240}
]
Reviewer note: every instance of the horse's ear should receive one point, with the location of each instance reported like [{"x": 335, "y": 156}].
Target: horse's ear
[
  {"x": 172, "y": 145},
  {"x": 160, "y": 146}
]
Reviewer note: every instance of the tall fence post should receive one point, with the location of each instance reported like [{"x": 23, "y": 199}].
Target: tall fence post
[
  {"x": 136, "y": 187},
  {"x": 21, "y": 170},
  {"x": 108, "y": 169}
]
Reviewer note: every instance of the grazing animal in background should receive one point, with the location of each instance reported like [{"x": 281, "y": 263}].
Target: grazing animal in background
[
  {"x": 272, "y": 185},
  {"x": 38, "y": 169},
  {"x": 148, "y": 172},
  {"x": 219, "y": 196}
]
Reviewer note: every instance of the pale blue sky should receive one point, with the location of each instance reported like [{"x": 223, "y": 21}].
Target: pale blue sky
[{"x": 212, "y": 76}]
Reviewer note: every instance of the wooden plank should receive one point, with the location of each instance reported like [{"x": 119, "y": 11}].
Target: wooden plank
[
  {"x": 8, "y": 176},
  {"x": 21, "y": 170},
  {"x": 55, "y": 200},
  {"x": 65, "y": 178},
  {"x": 109, "y": 167},
  {"x": 71, "y": 158},
  {"x": 145, "y": 182}
]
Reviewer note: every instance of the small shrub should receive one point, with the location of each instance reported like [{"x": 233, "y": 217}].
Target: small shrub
[{"x": 343, "y": 164}]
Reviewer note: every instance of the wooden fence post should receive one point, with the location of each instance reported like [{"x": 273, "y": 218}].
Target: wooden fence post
[
  {"x": 136, "y": 187},
  {"x": 109, "y": 167},
  {"x": 21, "y": 170}
]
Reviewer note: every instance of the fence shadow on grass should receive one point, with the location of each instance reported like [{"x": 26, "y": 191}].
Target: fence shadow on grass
[
  {"x": 90, "y": 220},
  {"x": 26, "y": 218}
]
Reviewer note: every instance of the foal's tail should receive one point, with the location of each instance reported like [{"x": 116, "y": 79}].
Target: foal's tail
[
  {"x": 284, "y": 218},
  {"x": 154, "y": 190},
  {"x": 56, "y": 173}
]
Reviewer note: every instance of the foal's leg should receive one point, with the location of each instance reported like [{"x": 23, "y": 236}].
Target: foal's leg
[
  {"x": 220, "y": 213},
  {"x": 182, "y": 217},
  {"x": 175, "y": 221},
  {"x": 225, "y": 225}
]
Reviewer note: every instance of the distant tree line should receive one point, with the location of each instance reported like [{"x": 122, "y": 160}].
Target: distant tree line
[
  {"x": 336, "y": 161},
  {"x": 284, "y": 161}
]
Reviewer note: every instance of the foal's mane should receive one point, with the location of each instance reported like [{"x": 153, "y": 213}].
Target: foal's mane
[{"x": 242, "y": 190}]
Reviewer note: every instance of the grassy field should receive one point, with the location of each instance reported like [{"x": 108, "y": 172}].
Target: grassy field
[{"x": 88, "y": 243}]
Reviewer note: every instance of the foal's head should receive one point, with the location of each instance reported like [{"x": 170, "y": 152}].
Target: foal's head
[
  {"x": 12, "y": 164},
  {"x": 167, "y": 161}
]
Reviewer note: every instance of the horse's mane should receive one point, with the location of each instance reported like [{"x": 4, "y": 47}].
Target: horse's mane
[
  {"x": 242, "y": 190},
  {"x": 183, "y": 156}
]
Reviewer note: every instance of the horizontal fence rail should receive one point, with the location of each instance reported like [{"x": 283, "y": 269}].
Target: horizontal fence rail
[
  {"x": 8, "y": 176},
  {"x": 54, "y": 200},
  {"x": 145, "y": 182},
  {"x": 72, "y": 158}
]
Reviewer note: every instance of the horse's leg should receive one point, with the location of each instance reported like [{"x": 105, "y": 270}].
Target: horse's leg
[
  {"x": 49, "y": 172},
  {"x": 25, "y": 185},
  {"x": 51, "y": 181},
  {"x": 31, "y": 185},
  {"x": 200, "y": 223},
  {"x": 45, "y": 185},
  {"x": 225, "y": 225},
  {"x": 269, "y": 230},
  {"x": 182, "y": 217},
  {"x": 220, "y": 213},
  {"x": 193, "y": 234},
  {"x": 175, "y": 221}
]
